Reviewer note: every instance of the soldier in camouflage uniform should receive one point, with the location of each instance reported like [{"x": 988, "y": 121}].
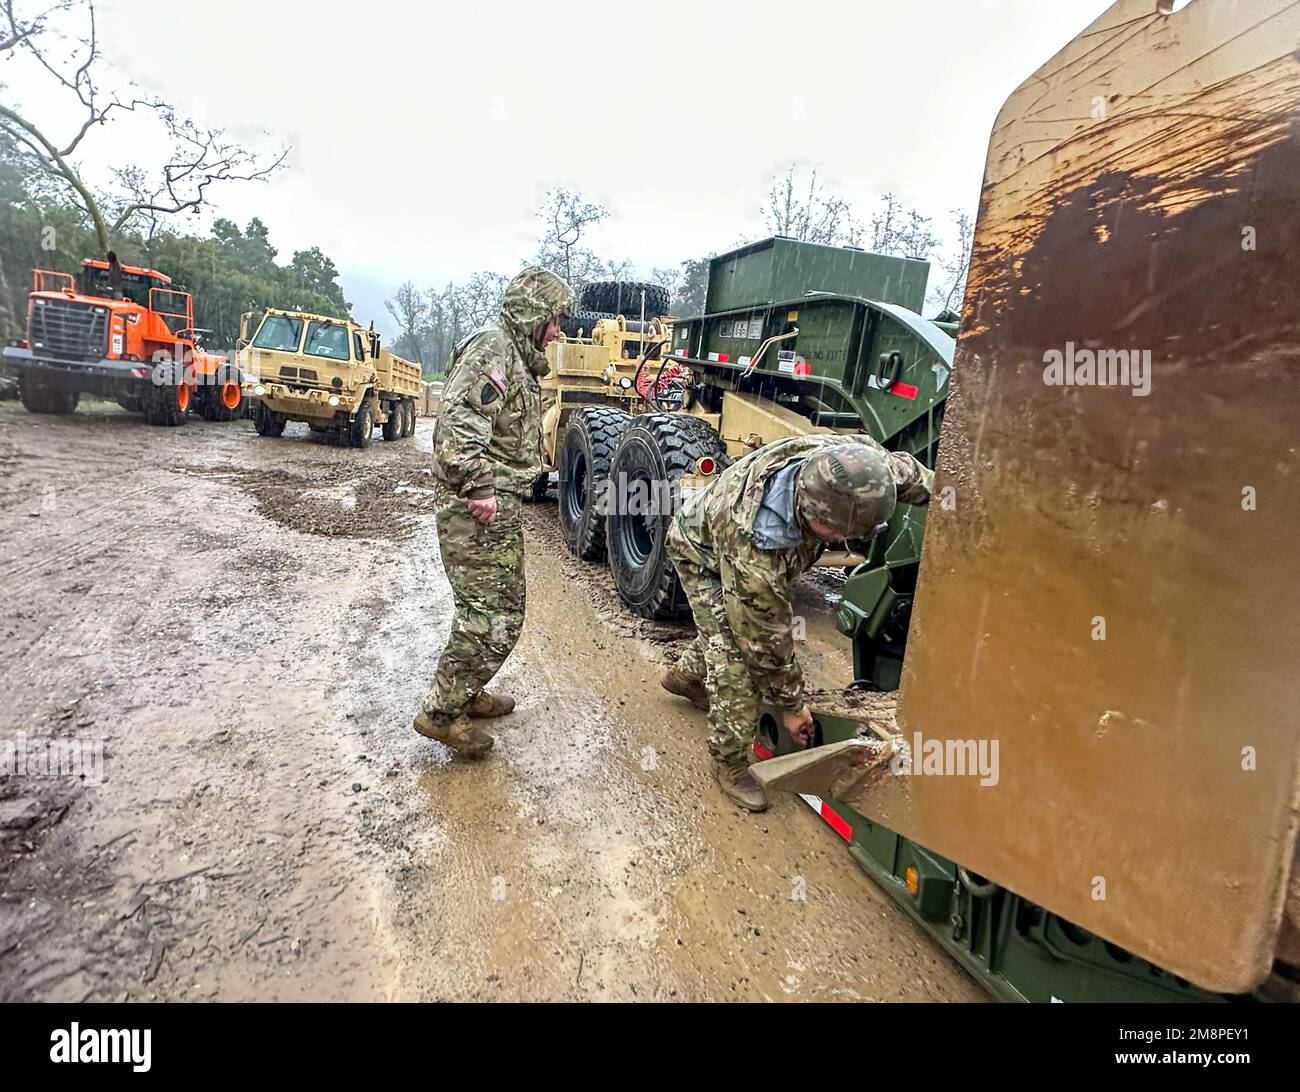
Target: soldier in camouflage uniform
[
  {"x": 739, "y": 546},
  {"x": 487, "y": 454}
]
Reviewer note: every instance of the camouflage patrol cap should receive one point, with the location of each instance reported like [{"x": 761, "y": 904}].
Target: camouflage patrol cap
[
  {"x": 848, "y": 488},
  {"x": 536, "y": 295}
]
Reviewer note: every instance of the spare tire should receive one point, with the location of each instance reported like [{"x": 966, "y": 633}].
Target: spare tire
[
  {"x": 584, "y": 321},
  {"x": 590, "y": 439},
  {"x": 624, "y": 298},
  {"x": 657, "y": 450}
]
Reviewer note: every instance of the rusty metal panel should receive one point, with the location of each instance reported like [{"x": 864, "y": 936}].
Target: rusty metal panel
[{"x": 1110, "y": 587}]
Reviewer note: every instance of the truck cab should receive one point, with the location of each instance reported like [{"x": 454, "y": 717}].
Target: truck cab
[{"x": 328, "y": 372}]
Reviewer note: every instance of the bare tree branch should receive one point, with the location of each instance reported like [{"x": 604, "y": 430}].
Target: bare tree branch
[
  {"x": 567, "y": 216},
  {"x": 199, "y": 158},
  {"x": 818, "y": 217}
]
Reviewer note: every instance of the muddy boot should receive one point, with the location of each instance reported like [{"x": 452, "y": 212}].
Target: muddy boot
[
  {"x": 464, "y": 740},
  {"x": 490, "y": 705},
  {"x": 684, "y": 686},
  {"x": 740, "y": 786}
]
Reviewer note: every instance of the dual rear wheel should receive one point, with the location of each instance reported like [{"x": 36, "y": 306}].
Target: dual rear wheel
[
  {"x": 401, "y": 420},
  {"x": 620, "y": 486}
]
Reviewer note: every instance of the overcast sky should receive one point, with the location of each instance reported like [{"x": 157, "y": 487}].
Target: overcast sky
[{"x": 425, "y": 135}]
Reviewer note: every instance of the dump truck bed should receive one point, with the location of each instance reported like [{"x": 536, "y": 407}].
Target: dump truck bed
[{"x": 398, "y": 378}]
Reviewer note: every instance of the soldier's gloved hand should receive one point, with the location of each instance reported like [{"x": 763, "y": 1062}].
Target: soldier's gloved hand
[
  {"x": 485, "y": 511},
  {"x": 799, "y": 726}
]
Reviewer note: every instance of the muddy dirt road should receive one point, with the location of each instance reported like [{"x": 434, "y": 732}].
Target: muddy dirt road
[{"x": 245, "y": 627}]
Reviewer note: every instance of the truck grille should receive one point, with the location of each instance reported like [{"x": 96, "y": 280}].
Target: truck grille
[
  {"x": 305, "y": 375},
  {"x": 69, "y": 329}
]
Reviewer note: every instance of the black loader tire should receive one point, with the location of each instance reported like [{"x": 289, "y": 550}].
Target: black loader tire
[
  {"x": 590, "y": 439},
  {"x": 624, "y": 298},
  {"x": 39, "y": 397},
  {"x": 657, "y": 449},
  {"x": 167, "y": 404},
  {"x": 227, "y": 385}
]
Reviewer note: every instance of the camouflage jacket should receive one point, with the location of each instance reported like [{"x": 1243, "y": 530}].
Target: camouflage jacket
[
  {"x": 488, "y": 434},
  {"x": 714, "y": 530}
]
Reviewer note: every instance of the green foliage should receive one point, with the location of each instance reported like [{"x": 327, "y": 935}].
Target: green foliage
[
  {"x": 229, "y": 272},
  {"x": 688, "y": 300}
]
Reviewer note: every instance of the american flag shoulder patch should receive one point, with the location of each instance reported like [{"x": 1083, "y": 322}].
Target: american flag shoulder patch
[{"x": 499, "y": 378}]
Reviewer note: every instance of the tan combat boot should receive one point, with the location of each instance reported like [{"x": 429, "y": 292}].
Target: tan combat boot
[
  {"x": 490, "y": 705},
  {"x": 463, "y": 739},
  {"x": 740, "y": 786},
  {"x": 693, "y": 690}
]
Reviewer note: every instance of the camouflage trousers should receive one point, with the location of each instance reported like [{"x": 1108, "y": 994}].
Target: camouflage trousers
[
  {"x": 485, "y": 566},
  {"x": 715, "y": 657}
]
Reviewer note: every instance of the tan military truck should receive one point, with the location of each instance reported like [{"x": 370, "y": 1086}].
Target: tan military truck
[{"x": 330, "y": 373}]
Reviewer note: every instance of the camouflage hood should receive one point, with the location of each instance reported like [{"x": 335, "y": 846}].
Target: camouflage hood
[{"x": 535, "y": 296}]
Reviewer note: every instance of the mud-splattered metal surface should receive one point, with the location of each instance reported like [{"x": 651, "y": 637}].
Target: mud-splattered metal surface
[{"x": 1111, "y": 579}]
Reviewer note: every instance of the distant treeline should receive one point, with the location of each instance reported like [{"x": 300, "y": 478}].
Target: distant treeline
[{"x": 229, "y": 272}]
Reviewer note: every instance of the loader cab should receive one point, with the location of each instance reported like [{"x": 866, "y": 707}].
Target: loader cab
[{"x": 130, "y": 282}]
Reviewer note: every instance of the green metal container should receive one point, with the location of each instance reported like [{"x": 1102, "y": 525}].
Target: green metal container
[{"x": 787, "y": 269}]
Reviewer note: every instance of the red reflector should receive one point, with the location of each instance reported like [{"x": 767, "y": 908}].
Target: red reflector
[
  {"x": 836, "y": 823},
  {"x": 802, "y": 367},
  {"x": 904, "y": 390},
  {"x": 762, "y": 752},
  {"x": 724, "y": 358},
  {"x": 707, "y": 466}
]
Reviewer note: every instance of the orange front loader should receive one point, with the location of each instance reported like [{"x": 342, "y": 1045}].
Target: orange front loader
[{"x": 120, "y": 332}]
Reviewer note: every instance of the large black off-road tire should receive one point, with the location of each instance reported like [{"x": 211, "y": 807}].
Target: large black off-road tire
[
  {"x": 167, "y": 404},
  {"x": 363, "y": 424},
  {"x": 590, "y": 439},
  {"x": 222, "y": 399},
  {"x": 624, "y": 298},
  {"x": 656, "y": 451},
  {"x": 266, "y": 421},
  {"x": 39, "y": 397},
  {"x": 408, "y": 419},
  {"x": 394, "y": 426},
  {"x": 582, "y": 322}
]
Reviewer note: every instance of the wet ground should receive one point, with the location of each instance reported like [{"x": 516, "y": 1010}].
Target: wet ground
[{"x": 242, "y": 628}]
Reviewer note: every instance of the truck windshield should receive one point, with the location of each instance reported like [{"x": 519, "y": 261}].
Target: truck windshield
[
  {"x": 326, "y": 339},
  {"x": 279, "y": 332}
]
